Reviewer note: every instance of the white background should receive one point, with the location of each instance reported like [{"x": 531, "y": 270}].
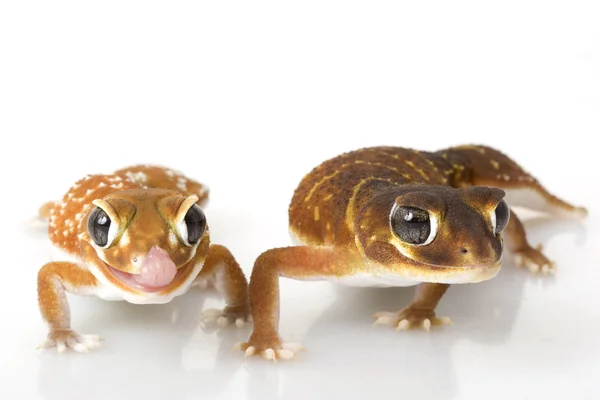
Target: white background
[{"x": 249, "y": 96}]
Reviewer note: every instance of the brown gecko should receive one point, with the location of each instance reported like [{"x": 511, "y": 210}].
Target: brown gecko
[
  {"x": 389, "y": 216},
  {"x": 138, "y": 235}
]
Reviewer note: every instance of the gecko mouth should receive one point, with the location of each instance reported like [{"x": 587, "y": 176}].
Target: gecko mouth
[
  {"x": 470, "y": 274},
  {"x": 156, "y": 272},
  {"x": 133, "y": 280}
]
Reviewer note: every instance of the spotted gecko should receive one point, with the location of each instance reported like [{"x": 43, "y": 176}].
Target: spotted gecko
[{"x": 138, "y": 235}]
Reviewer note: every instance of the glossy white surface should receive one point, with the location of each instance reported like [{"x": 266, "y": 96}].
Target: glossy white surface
[{"x": 248, "y": 98}]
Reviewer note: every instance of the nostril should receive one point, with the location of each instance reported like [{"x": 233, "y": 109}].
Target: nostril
[{"x": 464, "y": 251}]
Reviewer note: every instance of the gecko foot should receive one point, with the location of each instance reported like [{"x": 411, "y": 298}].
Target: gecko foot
[
  {"x": 410, "y": 318},
  {"x": 238, "y": 315},
  {"x": 534, "y": 260},
  {"x": 71, "y": 339},
  {"x": 270, "y": 351}
]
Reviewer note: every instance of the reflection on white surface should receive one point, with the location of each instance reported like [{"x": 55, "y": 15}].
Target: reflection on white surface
[{"x": 517, "y": 330}]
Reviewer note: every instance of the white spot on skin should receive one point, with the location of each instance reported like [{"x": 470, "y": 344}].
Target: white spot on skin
[
  {"x": 182, "y": 184},
  {"x": 173, "y": 239},
  {"x": 125, "y": 239},
  {"x": 138, "y": 177}
]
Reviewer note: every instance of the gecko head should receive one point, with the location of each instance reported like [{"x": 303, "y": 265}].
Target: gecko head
[
  {"x": 451, "y": 235},
  {"x": 144, "y": 240}
]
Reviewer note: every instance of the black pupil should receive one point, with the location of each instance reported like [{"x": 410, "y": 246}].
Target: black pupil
[
  {"x": 196, "y": 223},
  {"x": 98, "y": 226},
  {"x": 502, "y": 216},
  {"x": 411, "y": 225}
]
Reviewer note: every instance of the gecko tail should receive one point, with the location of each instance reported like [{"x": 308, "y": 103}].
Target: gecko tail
[
  {"x": 44, "y": 211},
  {"x": 539, "y": 199}
]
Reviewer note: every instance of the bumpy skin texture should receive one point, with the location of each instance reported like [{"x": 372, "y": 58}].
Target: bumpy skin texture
[
  {"x": 341, "y": 212},
  {"x": 147, "y": 207}
]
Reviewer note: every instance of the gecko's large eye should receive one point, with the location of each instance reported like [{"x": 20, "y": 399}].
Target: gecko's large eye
[
  {"x": 500, "y": 217},
  {"x": 193, "y": 225},
  {"x": 101, "y": 229},
  {"x": 413, "y": 225}
]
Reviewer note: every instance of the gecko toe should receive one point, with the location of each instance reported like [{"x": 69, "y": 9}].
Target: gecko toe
[
  {"x": 240, "y": 346},
  {"x": 444, "y": 321},
  {"x": 403, "y": 325},
  {"x": 545, "y": 269},
  {"x": 47, "y": 344},
  {"x": 294, "y": 347},
  {"x": 76, "y": 345},
  {"x": 285, "y": 354},
  {"x": 90, "y": 341},
  {"x": 386, "y": 320},
  {"x": 269, "y": 351},
  {"x": 240, "y": 323},
  {"x": 269, "y": 354},
  {"x": 519, "y": 261},
  {"x": 533, "y": 267},
  {"x": 212, "y": 313},
  {"x": 426, "y": 324},
  {"x": 222, "y": 322},
  {"x": 224, "y": 318},
  {"x": 250, "y": 351},
  {"x": 61, "y": 347}
]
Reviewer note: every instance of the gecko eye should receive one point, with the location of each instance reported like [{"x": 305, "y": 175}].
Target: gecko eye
[
  {"x": 413, "y": 225},
  {"x": 500, "y": 217},
  {"x": 193, "y": 225},
  {"x": 100, "y": 228}
]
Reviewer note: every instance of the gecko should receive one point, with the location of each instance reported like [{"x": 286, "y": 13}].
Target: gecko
[
  {"x": 398, "y": 217},
  {"x": 138, "y": 235}
]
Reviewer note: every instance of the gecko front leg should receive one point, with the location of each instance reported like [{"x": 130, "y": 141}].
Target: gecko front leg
[
  {"x": 301, "y": 263},
  {"x": 420, "y": 313},
  {"x": 222, "y": 271},
  {"x": 54, "y": 279},
  {"x": 525, "y": 254}
]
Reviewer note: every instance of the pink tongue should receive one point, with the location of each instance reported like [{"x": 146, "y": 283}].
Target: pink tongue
[{"x": 157, "y": 269}]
